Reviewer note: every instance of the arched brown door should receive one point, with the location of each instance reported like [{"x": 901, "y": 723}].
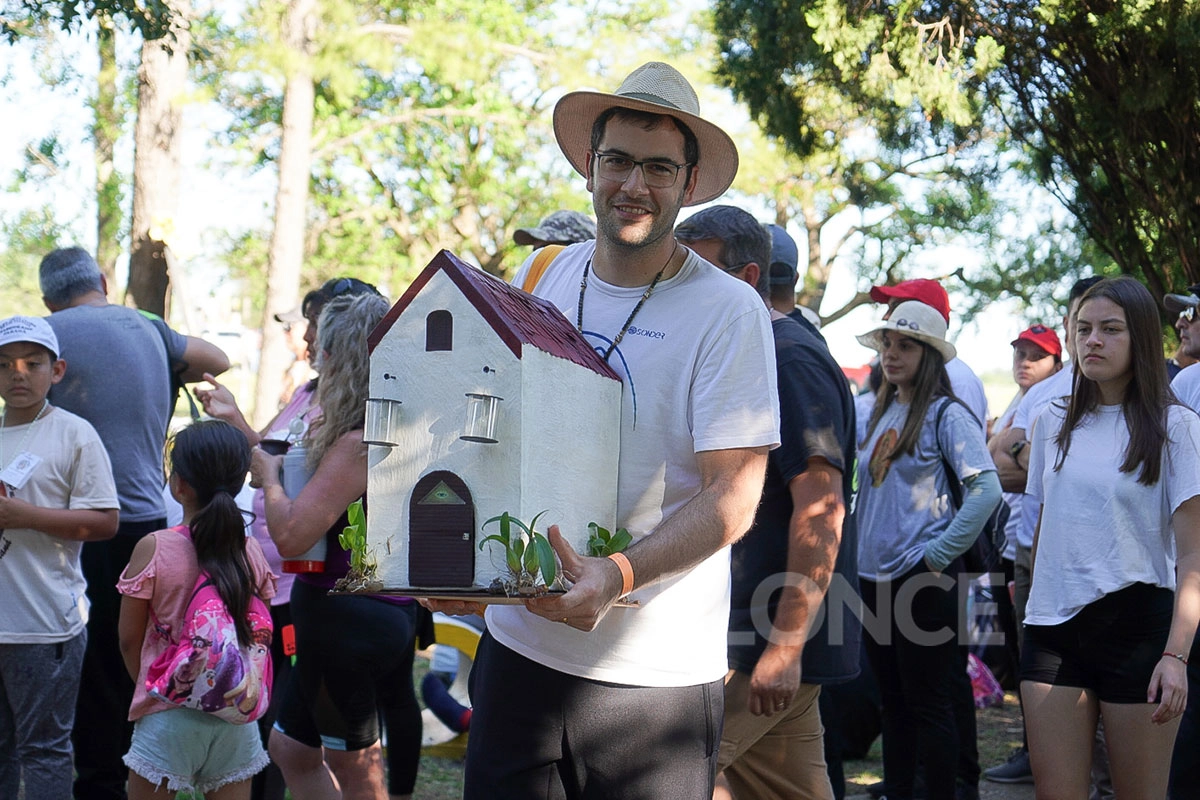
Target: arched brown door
[{"x": 441, "y": 532}]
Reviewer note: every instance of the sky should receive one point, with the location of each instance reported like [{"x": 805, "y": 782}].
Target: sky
[{"x": 221, "y": 196}]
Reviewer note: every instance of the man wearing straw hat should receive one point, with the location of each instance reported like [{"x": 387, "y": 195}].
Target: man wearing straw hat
[{"x": 573, "y": 697}]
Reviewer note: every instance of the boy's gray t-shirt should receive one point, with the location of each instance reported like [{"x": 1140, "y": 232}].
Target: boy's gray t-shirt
[{"x": 117, "y": 379}]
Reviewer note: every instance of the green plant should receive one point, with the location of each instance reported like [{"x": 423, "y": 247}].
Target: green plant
[
  {"x": 354, "y": 538},
  {"x": 601, "y": 543},
  {"x": 527, "y": 553}
]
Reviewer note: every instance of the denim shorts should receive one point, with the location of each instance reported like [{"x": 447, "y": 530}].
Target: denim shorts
[{"x": 194, "y": 750}]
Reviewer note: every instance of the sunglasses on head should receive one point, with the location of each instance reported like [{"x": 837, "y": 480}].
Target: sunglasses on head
[
  {"x": 1038, "y": 329},
  {"x": 350, "y": 286}
]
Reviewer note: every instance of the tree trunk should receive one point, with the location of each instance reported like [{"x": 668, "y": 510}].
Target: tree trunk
[
  {"x": 286, "y": 254},
  {"x": 106, "y": 129},
  {"x": 162, "y": 77}
]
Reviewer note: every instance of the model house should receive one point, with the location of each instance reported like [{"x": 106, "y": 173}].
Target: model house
[{"x": 483, "y": 400}]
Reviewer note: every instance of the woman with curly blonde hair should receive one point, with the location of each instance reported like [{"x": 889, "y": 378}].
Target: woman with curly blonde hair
[{"x": 354, "y": 654}]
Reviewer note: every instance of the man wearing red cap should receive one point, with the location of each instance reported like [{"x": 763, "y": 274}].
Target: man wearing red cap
[{"x": 963, "y": 380}]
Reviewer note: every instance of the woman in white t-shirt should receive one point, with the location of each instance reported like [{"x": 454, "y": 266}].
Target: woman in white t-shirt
[
  {"x": 918, "y": 439},
  {"x": 1117, "y": 473}
]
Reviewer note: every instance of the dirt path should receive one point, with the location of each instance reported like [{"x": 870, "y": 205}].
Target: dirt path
[{"x": 999, "y": 731}]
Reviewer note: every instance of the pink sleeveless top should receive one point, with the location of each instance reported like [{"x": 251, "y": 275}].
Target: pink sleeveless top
[{"x": 167, "y": 582}]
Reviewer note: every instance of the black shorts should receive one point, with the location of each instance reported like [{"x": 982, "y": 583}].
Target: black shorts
[
  {"x": 1110, "y": 647},
  {"x": 350, "y": 653}
]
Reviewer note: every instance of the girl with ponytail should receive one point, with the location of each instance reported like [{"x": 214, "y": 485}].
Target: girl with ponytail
[{"x": 185, "y": 748}]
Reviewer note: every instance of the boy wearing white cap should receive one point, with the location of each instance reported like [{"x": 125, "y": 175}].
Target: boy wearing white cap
[{"x": 56, "y": 492}]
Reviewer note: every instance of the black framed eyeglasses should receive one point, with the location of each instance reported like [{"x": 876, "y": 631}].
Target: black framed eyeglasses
[
  {"x": 657, "y": 173},
  {"x": 1188, "y": 314},
  {"x": 738, "y": 267}
]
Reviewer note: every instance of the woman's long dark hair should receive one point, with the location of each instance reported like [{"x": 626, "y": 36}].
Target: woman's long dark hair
[
  {"x": 1148, "y": 395},
  {"x": 212, "y": 457},
  {"x": 930, "y": 383}
]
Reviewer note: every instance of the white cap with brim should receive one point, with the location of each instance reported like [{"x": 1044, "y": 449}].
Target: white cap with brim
[
  {"x": 916, "y": 320},
  {"x": 658, "y": 89},
  {"x": 29, "y": 329}
]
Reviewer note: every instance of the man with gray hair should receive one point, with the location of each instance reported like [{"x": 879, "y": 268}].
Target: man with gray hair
[
  {"x": 120, "y": 381},
  {"x": 772, "y": 745}
]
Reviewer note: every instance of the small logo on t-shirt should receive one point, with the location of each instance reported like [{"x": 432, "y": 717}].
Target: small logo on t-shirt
[
  {"x": 881, "y": 456},
  {"x": 635, "y": 331}
]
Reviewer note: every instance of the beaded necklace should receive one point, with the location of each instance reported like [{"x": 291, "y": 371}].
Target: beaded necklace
[{"x": 628, "y": 320}]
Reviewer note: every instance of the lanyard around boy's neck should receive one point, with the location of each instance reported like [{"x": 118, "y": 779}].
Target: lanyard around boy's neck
[{"x": 24, "y": 436}]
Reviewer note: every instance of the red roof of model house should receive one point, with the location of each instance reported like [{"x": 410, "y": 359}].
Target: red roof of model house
[{"x": 517, "y": 318}]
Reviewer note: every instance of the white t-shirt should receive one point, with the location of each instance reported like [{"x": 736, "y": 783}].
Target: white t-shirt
[
  {"x": 1186, "y": 386},
  {"x": 968, "y": 388},
  {"x": 1101, "y": 529},
  {"x": 698, "y": 372},
  {"x": 1035, "y": 401},
  {"x": 44, "y": 599}
]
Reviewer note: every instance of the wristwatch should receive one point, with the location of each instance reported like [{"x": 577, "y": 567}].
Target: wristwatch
[{"x": 1016, "y": 449}]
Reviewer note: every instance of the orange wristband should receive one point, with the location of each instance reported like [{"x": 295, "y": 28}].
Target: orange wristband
[{"x": 626, "y": 568}]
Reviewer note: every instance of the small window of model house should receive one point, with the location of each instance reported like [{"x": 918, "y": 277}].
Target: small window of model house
[{"x": 439, "y": 331}]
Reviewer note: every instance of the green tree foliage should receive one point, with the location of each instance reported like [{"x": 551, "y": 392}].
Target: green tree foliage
[
  {"x": 1106, "y": 99},
  {"x": 153, "y": 19},
  {"x": 430, "y": 131},
  {"x": 868, "y": 178},
  {"x": 1096, "y": 102}
]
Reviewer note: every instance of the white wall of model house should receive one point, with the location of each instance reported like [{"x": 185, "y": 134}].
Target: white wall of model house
[{"x": 557, "y": 430}]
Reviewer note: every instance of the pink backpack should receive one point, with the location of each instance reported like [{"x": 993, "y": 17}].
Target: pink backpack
[{"x": 206, "y": 669}]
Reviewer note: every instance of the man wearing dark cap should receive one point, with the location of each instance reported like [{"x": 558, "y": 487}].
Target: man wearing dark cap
[
  {"x": 574, "y": 697},
  {"x": 963, "y": 380},
  {"x": 1185, "y": 769},
  {"x": 561, "y": 227},
  {"x": 1184, "y": 308},
  {"x": 802, "y": 540},
  {"x": 785, "y": 272}
]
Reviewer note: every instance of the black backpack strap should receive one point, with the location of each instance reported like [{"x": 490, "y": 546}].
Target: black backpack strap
[
  {"x": 956, "y": 492},
  {"x": 174, "y": 369},
  {"x": 978, "y": 557}
]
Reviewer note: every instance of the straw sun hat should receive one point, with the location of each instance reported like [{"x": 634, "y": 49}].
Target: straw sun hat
[
  {"x": 916, "y": 320},
  {"x": 659, "y": 89}
]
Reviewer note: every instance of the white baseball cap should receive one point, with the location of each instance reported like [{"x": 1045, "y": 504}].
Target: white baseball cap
[{"x": 29, "y": 329}]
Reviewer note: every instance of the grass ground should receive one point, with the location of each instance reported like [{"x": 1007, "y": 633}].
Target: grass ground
[{"x": 999, "y": 731}]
